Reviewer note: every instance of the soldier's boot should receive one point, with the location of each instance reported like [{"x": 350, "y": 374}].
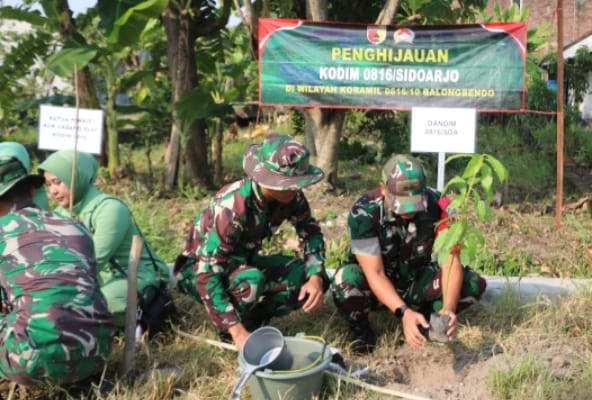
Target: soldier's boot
[
  {"x": 256, "y": 318},
  {"x": 363, "y": 337}
]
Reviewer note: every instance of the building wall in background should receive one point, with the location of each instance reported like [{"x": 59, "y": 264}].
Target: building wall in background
[{"x": 577, "y": 15}]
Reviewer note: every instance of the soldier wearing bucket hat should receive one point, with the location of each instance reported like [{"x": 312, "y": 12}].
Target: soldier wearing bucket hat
[
  {"x": 46, "y": 335},
  {"x": 221, "y": 265},
  {"x": 393, "y": 228}
]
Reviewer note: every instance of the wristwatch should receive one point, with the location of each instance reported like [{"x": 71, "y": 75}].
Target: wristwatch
[{"x": 399, "y": 312}]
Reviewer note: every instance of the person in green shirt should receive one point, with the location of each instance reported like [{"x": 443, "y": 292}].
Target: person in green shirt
[{"x": 111, "y": 223}]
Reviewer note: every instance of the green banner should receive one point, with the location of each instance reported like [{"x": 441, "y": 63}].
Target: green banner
[{"x": 303, "y": 63}]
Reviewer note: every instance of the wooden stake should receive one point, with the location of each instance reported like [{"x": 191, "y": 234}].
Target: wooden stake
[
  {"x": 560, "y": 115},
  {"x": 374, "y": 388},
  {"x": 73, "y": 172},
  {"x": 211, "y": 342},
  {"x": 129, "y": 349}
]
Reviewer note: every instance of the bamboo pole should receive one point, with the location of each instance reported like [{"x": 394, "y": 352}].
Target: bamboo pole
[
  {"x": 129, "y": 348},
  {"x": 560, "y": 114},
  {"x": 73, "y": 172}
]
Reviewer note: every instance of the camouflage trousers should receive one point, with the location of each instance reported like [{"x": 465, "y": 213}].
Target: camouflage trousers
[
  {"x": 268, "y": 287},
  {"x": 56, "y": 363},
  {"x": 354, "y": 299}
]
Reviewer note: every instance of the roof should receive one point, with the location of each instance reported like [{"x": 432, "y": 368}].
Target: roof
[{"x": 569, "y": 51}]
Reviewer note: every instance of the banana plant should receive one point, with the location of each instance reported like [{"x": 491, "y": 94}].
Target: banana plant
[
  {"x": 227, "y": 73},
  {"x": 121, "y": 26},
  {"x": 19, "y": 69}
]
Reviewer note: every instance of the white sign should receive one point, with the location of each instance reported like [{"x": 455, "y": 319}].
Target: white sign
[
  {"x": 443, "y": 130},
  {"x": 58, "y": 125}
]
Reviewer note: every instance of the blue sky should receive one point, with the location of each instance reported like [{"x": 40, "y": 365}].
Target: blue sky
[{"x": 76, "y": 6}]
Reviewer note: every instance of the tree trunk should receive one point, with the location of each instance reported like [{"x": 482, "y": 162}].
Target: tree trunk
[
  {"x": 197, "y": 168},
  {"x": 217, "y": 147},
  {"x": 112, "y": 133},
  {"x": 182, "y": 30},
  {"x": 323, "y": 126},
  {"x": 388, "y": 12},
  {"x": 182, "y": 71},
  {"x": 316, "y": 10},
  {"x": 328, "y": 125},
  {"x": 175, "y": 52}
]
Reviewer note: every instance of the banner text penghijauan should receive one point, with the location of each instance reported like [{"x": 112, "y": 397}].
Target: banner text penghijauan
[{"x": 337, "y": 65}]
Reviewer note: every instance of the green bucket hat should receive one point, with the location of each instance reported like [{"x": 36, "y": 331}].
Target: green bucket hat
[
  {"x": 280, "y": 163},
  {"x": 405, "y": 181},
  {"x": 14, "y": 167}
]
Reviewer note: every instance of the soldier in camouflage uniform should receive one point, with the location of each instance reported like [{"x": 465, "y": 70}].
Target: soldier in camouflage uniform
[
  {"x": 54, "y": 324},
  {"x": 221, "y": 264},
  {"x": 393, "y": 229}
]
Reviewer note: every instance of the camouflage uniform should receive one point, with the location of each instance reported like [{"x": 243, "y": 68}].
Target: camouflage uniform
[
  {"x": 405, "y": 246},
  {"x": 56, "y": 327},
  {"x": 228, "y": 274}
]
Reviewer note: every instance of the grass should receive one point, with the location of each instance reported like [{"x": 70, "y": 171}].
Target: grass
[
  {"x": 550, "y": 353},
  {"x": 533, "y": 339}
]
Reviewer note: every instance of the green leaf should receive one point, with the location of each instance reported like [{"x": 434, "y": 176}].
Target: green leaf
[
  {"x": 473, "y": 167},
  {"x": 456, "y": 203},
  {"x": 498, "y": 167},
  {"x": 129, "y": 26},
  {"x": 129, "y": 80},
  {"x": 448, "y": 238},
  {"x": 33, "y": 17},
  {"x": 486, "y": 181},
  {"x": 481, "y": 209},
  {"x": 198, "y": 104},
  {"x": 468, "y": 252},
  {"x": 456, "y": 157},
  {"x": 456, "y": 182},
  {"x": 72, "y": 55}
]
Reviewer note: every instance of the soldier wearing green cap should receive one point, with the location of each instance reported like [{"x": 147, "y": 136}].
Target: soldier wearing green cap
[
  {"x": 221, "y": 264},
  {"x": 17, "y": 150},
  {"x": 393, "y": 228},
  {"x": 55, "y": 327}
]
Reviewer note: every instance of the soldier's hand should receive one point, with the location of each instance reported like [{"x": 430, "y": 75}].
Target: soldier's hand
[
  {"x": 411, "y": 321},
  {"x": 239, "y": 335},
  {"x": 312, "y": 294},
  {"x": 451, "y": 323}
]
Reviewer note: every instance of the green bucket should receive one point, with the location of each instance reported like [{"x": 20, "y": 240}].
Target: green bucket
[{"x": 296, "y": 375}]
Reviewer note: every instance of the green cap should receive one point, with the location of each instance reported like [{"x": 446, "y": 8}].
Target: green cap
[
  {"x": 280, "y": 163},
  {"x": 14, "y": 166},
  {"x": 405, "y": 181}
]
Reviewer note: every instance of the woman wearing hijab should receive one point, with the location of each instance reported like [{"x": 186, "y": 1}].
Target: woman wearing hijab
[{"x": 112, "y": 226}]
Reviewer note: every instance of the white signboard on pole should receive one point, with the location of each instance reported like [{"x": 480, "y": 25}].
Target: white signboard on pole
[
  {"x": 443, "y": 130},
  {"x": 58, "y": 127}
]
